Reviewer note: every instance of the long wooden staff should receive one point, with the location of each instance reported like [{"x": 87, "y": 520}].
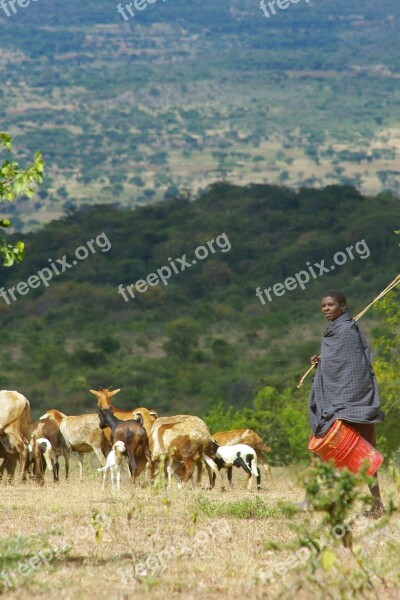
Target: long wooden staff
[{"x": 391, "y": 286}]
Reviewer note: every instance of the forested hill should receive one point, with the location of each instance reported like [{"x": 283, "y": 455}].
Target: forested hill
[{"x": 205, "y": 337}]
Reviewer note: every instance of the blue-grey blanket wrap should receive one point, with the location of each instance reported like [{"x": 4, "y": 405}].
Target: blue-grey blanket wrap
[{"x": 344, "y": 386}]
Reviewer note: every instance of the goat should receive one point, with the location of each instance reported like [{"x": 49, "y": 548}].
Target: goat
[
  {"x": 81, "y": 434},
  {"x": 132, "y": 433},
  {"x": 239, "y": 455},
  {"x": 249, "y": 438},
  {"x": 42, "y": 455},
  {"x": 49, "y": 430},
  {"x": 149, "y": 416},
  {"x": 14, "y": 429},
  {"x": 182, "y": 439},
  {"x": 9, "y": 463},
  {"x": 114, "y": 464}
]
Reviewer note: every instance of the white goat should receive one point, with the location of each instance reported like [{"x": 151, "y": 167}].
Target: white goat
[
  {"x": 114, "y": 464},
  {"x": 239, "y": 455}
]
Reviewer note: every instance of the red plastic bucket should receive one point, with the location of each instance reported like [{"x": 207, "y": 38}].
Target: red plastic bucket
[{"x": 346, "y": 448}]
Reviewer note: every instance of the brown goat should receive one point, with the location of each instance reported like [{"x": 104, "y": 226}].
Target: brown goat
[
  {"x": 182, "y": 439},
  {"x": 134, "y": 436},
  {"x": 9, "y": 463},
  {"x": 47, "y": 428},
  {"x": 149, "y": 416}
]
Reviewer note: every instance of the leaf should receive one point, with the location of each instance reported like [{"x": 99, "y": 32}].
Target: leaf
[
  {"x": 14, "y": 182},
  {"x": 8, "y": 258},
  {"x": 99, "y": 534},
  {"x": 6, "y": 140},
  {"x": 328, "y": 559}
]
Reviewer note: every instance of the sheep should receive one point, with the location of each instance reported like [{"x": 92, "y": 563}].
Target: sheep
[
  {"x": 239, "y": 455},
  {"x": 114, "y": 464},
  {"x": 132, "y": 433}
]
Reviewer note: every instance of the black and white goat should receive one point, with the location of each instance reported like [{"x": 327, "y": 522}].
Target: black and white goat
[{"x": 239, "y": 455}]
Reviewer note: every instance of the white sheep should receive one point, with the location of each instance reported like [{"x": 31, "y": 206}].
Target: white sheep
[
  {"x": 239, "y": 455},
  {"x": 114, "y": 464}
]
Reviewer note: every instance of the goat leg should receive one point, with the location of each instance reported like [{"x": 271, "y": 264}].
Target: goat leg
[{"x": 230, "y": 469}]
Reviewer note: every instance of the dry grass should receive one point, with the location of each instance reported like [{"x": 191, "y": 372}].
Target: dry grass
[{"x": 140, "y": 523}]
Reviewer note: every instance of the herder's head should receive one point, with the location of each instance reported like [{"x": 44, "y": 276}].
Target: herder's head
[{"x": 333, "y": 304}]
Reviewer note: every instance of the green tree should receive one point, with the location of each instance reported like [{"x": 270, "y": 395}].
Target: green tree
[
  {"x": 15, "y": 182},
  {"x": 387, "y": 366},
  {"x": 183, "y": 337}
]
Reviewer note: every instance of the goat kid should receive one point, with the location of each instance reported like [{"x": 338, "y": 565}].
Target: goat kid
[
  {"x": 239, "y": 455},
  {"x": 114, "y": 464}
]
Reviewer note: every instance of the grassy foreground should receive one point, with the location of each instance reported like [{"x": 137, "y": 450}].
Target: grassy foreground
[{"x": 191, "y": 543}]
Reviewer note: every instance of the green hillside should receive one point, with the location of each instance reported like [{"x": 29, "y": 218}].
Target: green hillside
[{"x": 205, "y": 338}]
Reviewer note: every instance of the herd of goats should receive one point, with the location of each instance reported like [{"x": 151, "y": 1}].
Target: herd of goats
[{"x": 174, "y": 445}]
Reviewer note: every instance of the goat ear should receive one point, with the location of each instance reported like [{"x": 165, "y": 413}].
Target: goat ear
[
  {"x": 114, "y": 392},
  {"x": 153, "y": 413},
  {"x": 94, "y": 392}
]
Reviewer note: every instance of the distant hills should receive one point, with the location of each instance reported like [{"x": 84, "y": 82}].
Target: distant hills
[{"x": 189, "y": 93}]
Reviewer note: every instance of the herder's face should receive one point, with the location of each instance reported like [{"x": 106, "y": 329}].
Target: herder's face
[{"x": 331, "y": 309}]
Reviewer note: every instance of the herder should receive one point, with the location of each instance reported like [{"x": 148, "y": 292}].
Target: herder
[{"x": 345, "y": 386}]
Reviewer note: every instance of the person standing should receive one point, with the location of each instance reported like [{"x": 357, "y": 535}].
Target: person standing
[{"x": 345, "y": 386}]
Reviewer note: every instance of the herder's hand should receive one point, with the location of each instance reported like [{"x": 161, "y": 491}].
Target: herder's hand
[{"x": 314, "y": 360}]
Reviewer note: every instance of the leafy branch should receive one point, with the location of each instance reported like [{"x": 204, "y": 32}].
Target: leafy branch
[{"x": 15, "y": 182}]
